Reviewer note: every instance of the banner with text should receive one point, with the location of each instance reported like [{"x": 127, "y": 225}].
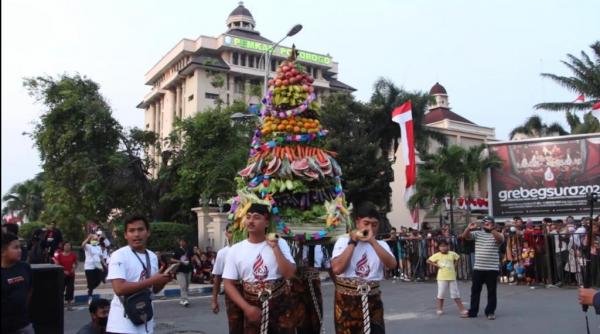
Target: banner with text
[{"x": 545, "y": 178}]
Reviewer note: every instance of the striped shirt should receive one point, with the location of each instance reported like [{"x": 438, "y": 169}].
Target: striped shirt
[{"x": 486, "y": 251}]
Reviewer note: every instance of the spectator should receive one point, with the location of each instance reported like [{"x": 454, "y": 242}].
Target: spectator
[
  {"x": 527, "y": 259},
  {"x": 205, "y": 268},
  {"x": 99, "y": 310},
  {"x": 68, "y": 260},
  {"x": 104, "y": 257},
  {"x": 183, "y": 255},
  {"x": 37, "y": 253},
  {"x": 16, "y": 288},
  {"x": 94, "y": 273},
  {"x": 560, "y": 239},
  {"x": 133, "y": 269},
  {"x": 51, "y": 240},
  {"x": 162, "y": 261},
  {"x": 486, "y": 266},
  {"x": 446, "y": 262},
  {"x": 392, "y": 241}
]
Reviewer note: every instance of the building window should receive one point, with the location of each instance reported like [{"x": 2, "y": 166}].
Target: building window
[
  {"x": 243, "y": 59},
  {"x": 273, "y": 65},
  {"x": 191, "y": 97},
  {"x": 238, "y": 85},
  {"x": 250, "y": 61},
  {"x": 235, "y": 58},
  {"x": 211, "y": 96}
]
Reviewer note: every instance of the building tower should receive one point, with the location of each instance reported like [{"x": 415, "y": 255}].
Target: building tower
[
  {"x": 441, "y": 97},
  {"x": 241, "y": 18}
]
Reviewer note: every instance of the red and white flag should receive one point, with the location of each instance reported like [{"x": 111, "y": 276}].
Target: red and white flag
[
  {"x": 596, "y": 110},
  {"x": 580, "y": 99},
  {"x": 403, "y": 116}
]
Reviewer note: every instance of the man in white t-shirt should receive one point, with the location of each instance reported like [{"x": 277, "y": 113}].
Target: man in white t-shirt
[
  {"x": 358, "y": 262},
  {"x": 235, "y": 315},
  {"x": 133, "y": 268},
  {"x": 261, "y": 264},
  {"x": 94, "y": 273}
]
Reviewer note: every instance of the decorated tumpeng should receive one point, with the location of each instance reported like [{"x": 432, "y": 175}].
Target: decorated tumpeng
[{"x": 288, "y": 168}]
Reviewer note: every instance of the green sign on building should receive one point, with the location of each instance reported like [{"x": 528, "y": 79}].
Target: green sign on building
[{"x": 284, "y": 52}]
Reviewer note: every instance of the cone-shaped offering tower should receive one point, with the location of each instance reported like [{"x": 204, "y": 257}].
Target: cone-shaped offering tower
[{"x": 288, "y": 169}]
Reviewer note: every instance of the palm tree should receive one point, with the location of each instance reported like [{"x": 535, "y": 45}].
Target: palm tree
[
  {"x": 386, "y": 97},
  {"x": 439, "y": 177},
  {"x": 585, "y": 80},
  {"x": 25, "y": 199},
  {"x": 535, "y": 128},
  {"x": 590, "y": 123},
  {"x": 476, "y": 162}
]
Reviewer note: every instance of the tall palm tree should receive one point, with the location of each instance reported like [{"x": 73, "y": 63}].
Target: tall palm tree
[
  {"x": 477, "y": 160},
  {"x": 589, "y": 124},
  {"x": 534, "y": 127},
  {"x": 386, "y": 97},
  {"x": 585, "y": 80},
  {"x": 25, "y": 199}
]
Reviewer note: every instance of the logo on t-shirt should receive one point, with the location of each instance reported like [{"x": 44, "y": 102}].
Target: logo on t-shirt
[
  {"x": 15, "y": 280},
  {"x": 362, "y": 267},
  {"x": 259, "y": 269}
]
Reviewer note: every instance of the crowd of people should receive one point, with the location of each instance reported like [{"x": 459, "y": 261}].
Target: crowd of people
[
  {"x": 549, "y": 252},
  {"x": 254, "y": 271}
]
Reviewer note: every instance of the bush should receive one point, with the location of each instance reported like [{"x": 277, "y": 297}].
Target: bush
[
  {"x": 26, "y": 229},
  {"x": 164, "y": 235}
]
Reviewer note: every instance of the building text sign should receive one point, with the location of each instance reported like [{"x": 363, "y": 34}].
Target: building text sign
[{"x": 284, "y": 52}]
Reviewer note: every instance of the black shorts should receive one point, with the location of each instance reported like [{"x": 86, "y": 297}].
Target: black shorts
[{"x": 93, "y": 278}]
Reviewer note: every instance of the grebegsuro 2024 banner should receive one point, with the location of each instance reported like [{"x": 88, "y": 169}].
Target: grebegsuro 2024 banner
[{"x": 545, "y": 178}]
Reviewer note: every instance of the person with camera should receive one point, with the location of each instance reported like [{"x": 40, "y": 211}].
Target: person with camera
[
  {"x": 487, "y": 262},
  {"x": 183, "y": 256},
  {"x": 133, "y": 272},
  {"x": 358, "y": 262}
]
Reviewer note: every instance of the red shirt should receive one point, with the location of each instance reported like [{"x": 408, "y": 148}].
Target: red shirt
[{"x": 68, "y": 262}]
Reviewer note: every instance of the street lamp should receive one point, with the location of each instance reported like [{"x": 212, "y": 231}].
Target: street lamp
[{"x": 295, "y": 29}]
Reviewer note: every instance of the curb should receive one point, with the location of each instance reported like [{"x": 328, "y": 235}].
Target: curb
[{"x": 168, "y": 293}]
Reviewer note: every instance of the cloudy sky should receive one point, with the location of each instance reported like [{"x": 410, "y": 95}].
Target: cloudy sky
[{"x": 488, "y": 54}]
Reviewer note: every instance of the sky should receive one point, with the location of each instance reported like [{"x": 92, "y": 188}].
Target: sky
[{"x": 487, "y": 54}]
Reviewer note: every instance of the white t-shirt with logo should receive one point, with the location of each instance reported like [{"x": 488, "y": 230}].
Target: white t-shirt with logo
[
  {"x": 125, "y": 265},
  {"x": 364, "y": 264},
  {"x": 254, "y": 262},
  {"x": 220, "y": 261},
  {"x": 92, "y": 257}
]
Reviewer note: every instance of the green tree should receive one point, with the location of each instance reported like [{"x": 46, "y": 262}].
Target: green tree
[
  {"x": 385, "y": 98},
  {"x": 367, "y": 171},
  {"x": 585, "y": 79},
  {"x": 534, "y": 127},
  {"x": 77, "y": 138},
  {"x": 213, "y": 149},
  {"x": 477, "y": 160},
  {"x": 25, "y": 199},
  {"x": 589, "y": 123}
]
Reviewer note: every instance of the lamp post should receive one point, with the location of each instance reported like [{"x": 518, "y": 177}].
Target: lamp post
[{"x": 295, "y": 29}]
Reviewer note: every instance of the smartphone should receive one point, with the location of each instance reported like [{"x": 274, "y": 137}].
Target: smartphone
[{"x": 171, "y": 268}]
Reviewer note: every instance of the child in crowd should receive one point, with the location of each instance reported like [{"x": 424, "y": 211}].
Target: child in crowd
[
  {"x": 446, "y": 262},
  {"x": 527, "y": 256}
]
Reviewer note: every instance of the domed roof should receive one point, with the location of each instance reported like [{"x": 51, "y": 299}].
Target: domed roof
[
  {"x": 438, "y": 89},
  {"x": 241, "y": 10}
]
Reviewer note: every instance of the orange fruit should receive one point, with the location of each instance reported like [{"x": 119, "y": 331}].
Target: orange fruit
[{"x": 296, "y": 129}]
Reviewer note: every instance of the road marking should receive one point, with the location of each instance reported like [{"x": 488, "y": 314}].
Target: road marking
[{"x": 407, "y": 316}]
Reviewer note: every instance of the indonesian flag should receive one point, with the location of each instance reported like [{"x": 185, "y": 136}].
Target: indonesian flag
[
  {"x": 596, "y": 110},
  {"x": 403, "y": 116},
  {"x": 580, "y": 99}
]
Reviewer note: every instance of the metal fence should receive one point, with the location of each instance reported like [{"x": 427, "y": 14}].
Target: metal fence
[{"x": 529, "y": 258}]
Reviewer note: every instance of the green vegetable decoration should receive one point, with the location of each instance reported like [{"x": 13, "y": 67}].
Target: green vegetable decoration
[{"x": 288, "y": 169}]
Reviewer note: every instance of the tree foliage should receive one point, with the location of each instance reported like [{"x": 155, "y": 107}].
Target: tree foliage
[
  {"x": 584, "y": 79},
  {"x": 25, "y": 199},
  {"x": 355, "y": 136},
  {"x": 76, "y": 138},
  {"x": 534, "y": 127}
]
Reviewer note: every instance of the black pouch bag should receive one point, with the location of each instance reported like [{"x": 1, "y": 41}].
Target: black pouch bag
[{"x": 138, "y": 306}]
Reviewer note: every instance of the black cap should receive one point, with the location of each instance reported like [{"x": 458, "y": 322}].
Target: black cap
[
  {"x": 259, "y": 208},
  {"x": 488, "y": 219}
]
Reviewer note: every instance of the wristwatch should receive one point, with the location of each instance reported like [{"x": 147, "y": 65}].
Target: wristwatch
[{"x": 352, "y": 242}]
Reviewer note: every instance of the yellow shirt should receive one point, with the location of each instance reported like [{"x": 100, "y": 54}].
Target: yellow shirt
[{"x": 447, "y": 271}]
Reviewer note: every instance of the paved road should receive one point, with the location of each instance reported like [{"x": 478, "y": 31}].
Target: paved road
[{"x": 409, "y": 308}]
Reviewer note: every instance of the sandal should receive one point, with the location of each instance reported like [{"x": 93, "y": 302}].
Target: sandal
[
  {"x": 491, "y": 317},
  {"x": 464, "y": 314}
]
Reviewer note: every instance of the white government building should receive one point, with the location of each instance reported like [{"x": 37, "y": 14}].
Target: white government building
[{"x": 195, "y": 74}]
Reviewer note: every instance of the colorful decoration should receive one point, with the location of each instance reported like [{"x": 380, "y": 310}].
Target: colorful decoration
[{"x": 288, "y": 169}]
